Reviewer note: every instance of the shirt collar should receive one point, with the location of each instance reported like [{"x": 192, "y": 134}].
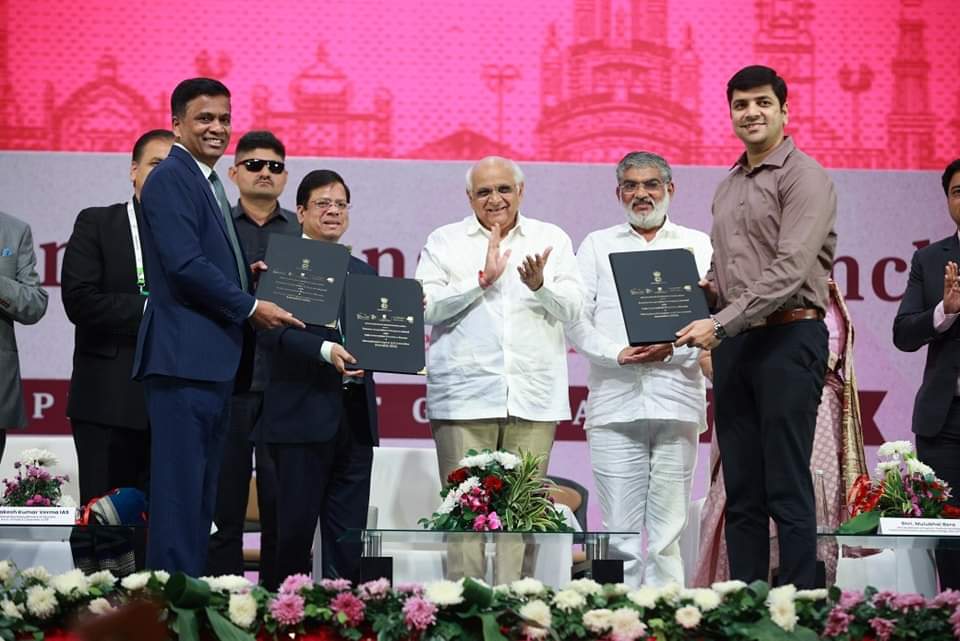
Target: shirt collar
[
  {"x": 473, "y": 225},
  {"x": 240, "y": 212},
  {"x": 776, "y": 158},
  {"x": 205, "y": 169},
  {"x": 626, "y": 229}
]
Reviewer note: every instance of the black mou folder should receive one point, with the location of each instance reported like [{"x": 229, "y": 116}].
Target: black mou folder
[
  {"x": 305, "y": 277},
  {"x": 383, "y": 324}
]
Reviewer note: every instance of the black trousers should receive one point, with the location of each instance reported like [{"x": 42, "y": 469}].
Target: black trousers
[
  {"x": 767, "y": 386},
  {"x": 942, "y": 453},
  {"x": 225, "y": 553},
  {"x": 329, "y": 481},
  {"x": 109, "y": 457}
]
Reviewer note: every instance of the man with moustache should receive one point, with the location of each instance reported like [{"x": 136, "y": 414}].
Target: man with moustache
[
  {"x": 319, "y": 415},
  {"x": 191, "y": 335},
  {"x": 928, "y": 316},
  {"x": 260, "y": 174},
  {"x": 104, "y": 287},
  {"x": 497, "y": 365},
  {"x": 773, "y": 240},
  {"x": 647, "y": 405}
]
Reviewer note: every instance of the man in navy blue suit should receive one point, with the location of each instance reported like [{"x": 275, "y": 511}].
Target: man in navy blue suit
[
  {"x": 319, "y": 416},
  {"x": 928, "y": 316},
  {"x": 192, "y": 331}
]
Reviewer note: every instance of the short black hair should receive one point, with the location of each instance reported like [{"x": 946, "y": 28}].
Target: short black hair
[
  {"x": 948, "y": 173},
  {"x": 315, "y": 180},
  {"x": 147, "y": 138},
  {"x": 260, "y": 140},
  {"x": 757, "y": 76},
  {"x": 189, "y": 89}
]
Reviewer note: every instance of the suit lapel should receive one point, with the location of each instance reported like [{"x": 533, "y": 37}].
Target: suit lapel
[{"x": 191, "y": 164}]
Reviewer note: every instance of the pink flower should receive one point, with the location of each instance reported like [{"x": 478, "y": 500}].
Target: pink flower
[
  {"x": 287, "y": 609},
  {"x": 350, "y": 607},
  {"x": 419, "y": 614},
  {"x": 480, "y": 523},
  {"x": 493, "y": 522},
  {"x": 904, "y": 602},
  {"x": 954, "y": 620},
  {"x": 850, "y": 598},
  {"x": 337, "y": 585},
  {"x": 837, "y": 622},
  {"x": 376, "y": 589},
  {"x": 949, "y": 598},
  {"x": 883, "y": 599},
  {"x": 409, "y": 588},
  {"x": 294, "y": 583},
  {"x": 883, "y": 628}
]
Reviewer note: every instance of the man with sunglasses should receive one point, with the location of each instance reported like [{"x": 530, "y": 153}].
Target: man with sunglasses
[{"x": 259, "y": 173}]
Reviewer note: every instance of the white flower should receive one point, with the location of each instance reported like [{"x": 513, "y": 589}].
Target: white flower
[
  {"x": 444, "y": 592},
  {"x": 477, "y": 460},
  {"x": 567, "y": 600},
  {"x": 503, "y": 588},
  {"x": 645, "y": 597},
  {"x": 527, "y": 587},
  {"x": 66, "y": 501},
  {"x": 100, "y": 606},
  {"x": 162, "y": 576},
  {"x": 811, "y": 595},
  {"x": 914, "y": 466},
  {"x": 705, "y": 598},
  {"x": 626, "y": 624},
  {"x": 784, "y": 613},
  {"x": 617, "y": 589},
  {"x": 102, "y": 579},
  {"x": 243, "y": 609},
  {"x": 724, "y": 588},
  {"x": 7, "y": 571},
  {"x": 586, "y": 587},
  {"x": 38, "y": 573},
  {"x": 538, "y": 612},
  {"x": 669, "y": 592},
  {"x": 10, "y": 609},
  {"x": 228, "y": 583},
  {"x": 885, "y": 466},
  {"x": 688, "y": 616},
  {"x": 507, "y": 460},
  {"x": 597, "y": 621},
  {"x": 41, "y": 601},
  {"x": 895, "y": 448},
  {"x": 135, "y": 581},
  {"x": 782, "y": 594},
  {"x": 38, "y": 456},
  {"x": 72, "y": 584}
]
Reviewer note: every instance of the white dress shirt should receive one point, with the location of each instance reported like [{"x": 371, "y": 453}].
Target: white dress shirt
[
  {"x": 671, "y": 390},
  {"x": 499, "y": 351}
]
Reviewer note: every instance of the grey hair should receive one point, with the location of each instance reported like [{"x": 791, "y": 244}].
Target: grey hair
[
  {"x": 641, "y": 159},
  {"x": 514, "y": 168}
]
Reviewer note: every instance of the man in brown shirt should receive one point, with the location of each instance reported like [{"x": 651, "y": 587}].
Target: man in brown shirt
[{"x": 774, "y": 242}]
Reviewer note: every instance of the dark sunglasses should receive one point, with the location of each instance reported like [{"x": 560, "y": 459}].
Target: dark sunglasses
[{"x": 255, "y": 165}]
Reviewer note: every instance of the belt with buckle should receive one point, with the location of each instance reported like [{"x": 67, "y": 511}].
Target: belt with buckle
[{"x": 785, "y": 316}]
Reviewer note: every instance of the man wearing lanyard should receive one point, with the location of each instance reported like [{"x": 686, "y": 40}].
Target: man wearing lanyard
[{"x": 104, "y": 292}]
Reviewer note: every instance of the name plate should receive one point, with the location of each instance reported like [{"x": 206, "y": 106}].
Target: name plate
[
  {"x": 919, "y": 527},
  {"x": 305, "y": 277},
  {"x": 38, "y": 515}
]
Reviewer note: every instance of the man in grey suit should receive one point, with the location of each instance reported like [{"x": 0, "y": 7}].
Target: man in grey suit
[{"x": 23, "y": 300}]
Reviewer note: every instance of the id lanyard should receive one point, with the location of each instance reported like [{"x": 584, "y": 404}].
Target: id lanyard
[{"x": 137, "y": 251}]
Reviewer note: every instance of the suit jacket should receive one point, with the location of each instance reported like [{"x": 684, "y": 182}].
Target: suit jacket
[
  {"x": 913, "y": 328},
  {"x": 100, "y": 295},
  {"x": 23, "y": 300},
  {"x": 193, "y": 325},
  {"x": 304, "y": 400}
]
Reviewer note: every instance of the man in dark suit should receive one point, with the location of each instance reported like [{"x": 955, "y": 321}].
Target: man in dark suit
[
  {"x": 928, "y": 316},
  {"x": 104, "y": 288},
  {"x": 191, "y": 336},
  {"x": 319, "y": 416},
  {"x": 259, "y": 173}
]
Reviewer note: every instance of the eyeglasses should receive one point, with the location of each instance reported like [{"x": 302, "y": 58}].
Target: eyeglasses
[
  {"x": 631, "y": 187},
  {"x": 327, "y": 205},
  {"x": 255, "y": 165}
]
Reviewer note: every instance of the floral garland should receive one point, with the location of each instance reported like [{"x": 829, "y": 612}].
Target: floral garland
[{"x": 230, "y": 608}]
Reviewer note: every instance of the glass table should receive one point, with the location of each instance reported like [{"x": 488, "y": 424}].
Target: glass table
[
  {"x": 60, "y": 548},
  {"x": 902, "y": 563}
]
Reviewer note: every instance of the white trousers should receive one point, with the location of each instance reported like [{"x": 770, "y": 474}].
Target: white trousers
[{"x": 644, "y": 473}]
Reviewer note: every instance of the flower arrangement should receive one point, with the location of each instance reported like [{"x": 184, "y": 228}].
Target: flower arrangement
[
  {"x": 35, "y": 485},
  {"x": 497, "y": 491},
  {"x": 904, "y": 487},
  {"x": 229, "y": 608}
]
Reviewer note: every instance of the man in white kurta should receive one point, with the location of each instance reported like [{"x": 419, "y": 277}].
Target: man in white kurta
[
  {"x": 499, "y": 286},
  {"x": 647, "y": 404}
]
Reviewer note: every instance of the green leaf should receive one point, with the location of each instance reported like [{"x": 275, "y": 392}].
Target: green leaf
[
  {"x": 864, "y": 523},
  {"x": 477, "y": 593},
  {"x": 224, "y": 629},
  {"x": 186, "y": 625},
  {"x": 491, "y": 629}
]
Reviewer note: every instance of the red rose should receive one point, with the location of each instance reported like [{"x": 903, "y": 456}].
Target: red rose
[
  {"x": 951, "y": 511},
  {"x": 492, "y": 483},
  {"x": 457, "y": 476}
]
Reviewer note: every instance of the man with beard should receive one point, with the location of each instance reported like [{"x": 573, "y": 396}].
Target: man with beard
[{"x": 647, "y": 404}]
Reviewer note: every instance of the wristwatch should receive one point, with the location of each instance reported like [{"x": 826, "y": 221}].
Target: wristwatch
[{"x": 718, "y": 331}]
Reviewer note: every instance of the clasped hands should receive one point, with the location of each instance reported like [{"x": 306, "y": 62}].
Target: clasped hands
[{"x": 530, "y": 270}]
